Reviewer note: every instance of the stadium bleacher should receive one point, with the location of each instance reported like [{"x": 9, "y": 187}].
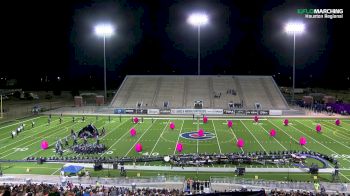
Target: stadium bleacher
[{"x": 214, "y": 91}]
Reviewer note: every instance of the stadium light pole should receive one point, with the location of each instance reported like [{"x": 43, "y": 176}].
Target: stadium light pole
[
  {"x": 104, "y": 30},
  {"x": 198, "y": 20},
  {"x": 294, "y": 28}
]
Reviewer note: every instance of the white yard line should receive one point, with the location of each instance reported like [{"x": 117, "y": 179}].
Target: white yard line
[
  {"x": 139, "y": 139},
  {"x": 217, "y": 138},
  {"x": 324, "y": 135},
  {"x": 19, "y": 122},
  {"x": 30, "y": 144},
  {"x": 310, "y": 138},
  {"x": 53, "y": 143},
  {"x": 197, "y": 130},
  {"x": 26, "y": 131},
  {"x": 233, "y": 133},
  {"x": 31, "y": 136},
  {"x": 56, "y": 171},
  {"x": 286, "y": 133},
  {"x": 75, "y": 125},
  {"x": 159, "y": 138},
  {"x": 166, "y": 125},
  {"x": 255, "y": 138},
  {"x": 178, "y": 137},
  {"x": 336, "y": 127},
  {"x": 54, "y": 134},
  {"x": 304, "y": 146},
  {"x": 119, "y": 137},
  {"x": 274, "y": 138}
]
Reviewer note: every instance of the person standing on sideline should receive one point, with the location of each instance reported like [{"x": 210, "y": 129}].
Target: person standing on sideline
[
  {"x": 49, "y": 121},
  {"x": 66, "y": 141},
  {"x": 33, "y": 124}
]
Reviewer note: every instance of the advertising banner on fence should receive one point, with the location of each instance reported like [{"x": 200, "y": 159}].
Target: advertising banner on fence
[
  {"x": 130, "y": 111},
  {"x": 165, "y": 111},
  {"x": 264, "y": 112},
  {"x": 240, "y": 112},
  {"x": 229, "y": 112},
  {"x": 275, "y": 112},
  {"x": 119, "y": 111},
  {"x": 141, "y": 111},
  {"x": 197, "y": 111},
  {"x": 252, "y": 112},
  {"x": 153, "y": 111}
]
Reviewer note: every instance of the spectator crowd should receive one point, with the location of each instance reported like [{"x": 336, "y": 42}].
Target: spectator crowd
[{"x": 98, "y": 190}]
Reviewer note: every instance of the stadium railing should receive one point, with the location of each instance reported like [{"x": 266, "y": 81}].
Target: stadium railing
[
  {"x": 154, "y": 182},
  {"x": 231, "y": 183}
]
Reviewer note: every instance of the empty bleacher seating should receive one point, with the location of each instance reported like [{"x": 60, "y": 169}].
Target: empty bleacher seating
[{"x": 214, "y": 91}]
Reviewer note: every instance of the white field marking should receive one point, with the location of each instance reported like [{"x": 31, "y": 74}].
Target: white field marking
[
  {"x": 255, "y": 138},
  {"x": 31, "y": 136},
  {"x": 324, "y": 135},
  {"x": 336, "y": 127},
  {"x": 216, "y": 137},
  {"x": 55, "y": 171},
  {"x": 57, "y": 132},
  {"x": 138, "y": 140},
  {"x": 178, "y": 137},
  {"x": 286, "y": 133},
  {"x": 118, "y": 139},
  {"x": 242, "y": 119},
  {"x": 53, "y": 143},
  {"x": 235, "y": 137},
  {"x": 306, "y": 147},
  {"x": 159, "y": 138},
  {"x": 338, "y": 132},
  {"x": 216, "y": 119},
  {"x": 313, "y": 140},
  {"x": 19, "y": 122},
  {"x": 197, "y": 130},
  {"x": 28, "y": 130},
  {"x": 274, "y": 138}
]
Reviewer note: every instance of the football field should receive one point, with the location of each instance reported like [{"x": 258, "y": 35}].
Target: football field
[{"x": 158, "y": 139}]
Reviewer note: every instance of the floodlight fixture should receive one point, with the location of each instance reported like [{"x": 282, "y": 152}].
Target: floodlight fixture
[
  {"x": 104, "y": 30},
  {"x": 294, "y": 28},
  {"x": 198, "y": 19}
]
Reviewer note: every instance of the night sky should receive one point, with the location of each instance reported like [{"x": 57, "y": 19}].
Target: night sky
[{"x": 43, "y": 40}]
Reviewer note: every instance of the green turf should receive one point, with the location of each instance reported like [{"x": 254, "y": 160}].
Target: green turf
[
  {"x": 31, "y": 168},
  {"x": 158, "y": 139}
]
